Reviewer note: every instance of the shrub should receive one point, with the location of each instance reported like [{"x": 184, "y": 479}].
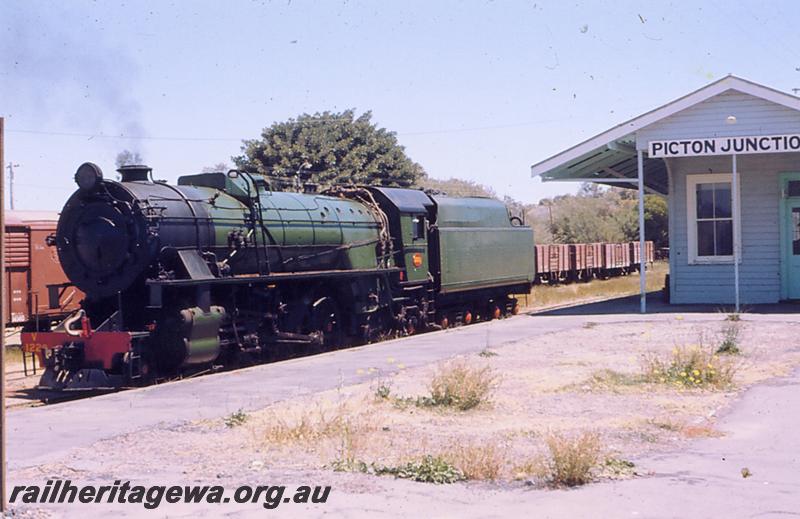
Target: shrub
[
  {"x": 477, "y": 461},
  {"x": 571, "y": 460},
  {"x": 461, "y": 386}
]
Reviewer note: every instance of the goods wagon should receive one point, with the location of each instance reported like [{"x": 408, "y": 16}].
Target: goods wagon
[
  {"x": 616, "y": 259},
  {"x": 586, "y": 260},
  {"x": 635, "y": 254},
  {"x": 34, "y": 284},
  {"x": 553, "y": 262}
]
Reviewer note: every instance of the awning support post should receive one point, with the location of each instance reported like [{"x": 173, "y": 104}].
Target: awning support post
[
  {"x": 642, "y": 246},
  {"x": 736, "y": 230}
]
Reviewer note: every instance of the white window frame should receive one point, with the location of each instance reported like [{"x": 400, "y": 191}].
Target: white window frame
[{"x": 691, "y": 217}]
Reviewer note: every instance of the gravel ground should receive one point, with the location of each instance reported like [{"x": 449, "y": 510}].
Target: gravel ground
[{"x": 545, "y": 385}]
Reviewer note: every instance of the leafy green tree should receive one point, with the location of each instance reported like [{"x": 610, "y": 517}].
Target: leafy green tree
[
  {"x": 330, "y": 148},
  {"x": 600, "y": 214},
  {"x": 656, "y": 220},
  {"x": 456, "y": 187}
]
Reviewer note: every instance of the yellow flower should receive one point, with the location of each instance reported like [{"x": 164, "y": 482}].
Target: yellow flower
[
  {"x": 683, "y": 373},
  {"x": 696, "y": 373},
  {"x": 709, "y": 366},
  {"x": 712, "y": 372},
  {"x": 663, "y": 380},
  {"x": 360, "y": 371}
]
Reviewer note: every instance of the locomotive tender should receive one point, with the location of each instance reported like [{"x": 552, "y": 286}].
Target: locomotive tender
[{"x": 221, "y": 270}]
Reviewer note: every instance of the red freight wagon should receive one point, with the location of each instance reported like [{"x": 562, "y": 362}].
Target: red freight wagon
[
  {"x": 585, "y": 259},
  {"x": 32, "y": 265},
  {"x": 616, "y": 258},
  {"x": 648, "y": 251},
  {"x": 552, "y": 262}
]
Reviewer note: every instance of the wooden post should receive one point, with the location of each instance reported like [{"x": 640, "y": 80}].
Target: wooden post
[{"x": 3, "y": 323}]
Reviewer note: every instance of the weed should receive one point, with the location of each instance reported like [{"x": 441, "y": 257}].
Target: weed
[
  {"x": 667, "y": 424},
  {"x": 617, "y": 468},
  {"x": 608, "y": 378},
  {"x": 383, "y": 391},
  {"x": 236, "y": 419},
  {"x": 700, "y": 431},
  {"x": 311, "y": 427},
  {"x": 486, "y": 352},
  {"x": 588, "y": 325},
  {"x": 571, "y": 460},
  {"x": 730, "y": 339},
  {"x": 689, "y": 367},
  {"x": 461, "y": 386},
  {"x": 478, "y": 461},
  {"x": 734, "y": 317},
  {"x": 428, "y": 469}
]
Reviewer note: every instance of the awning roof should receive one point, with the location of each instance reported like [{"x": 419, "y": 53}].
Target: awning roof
[
  {"x": 610, "y": 156},
  {"x": 609, "y": 163}
]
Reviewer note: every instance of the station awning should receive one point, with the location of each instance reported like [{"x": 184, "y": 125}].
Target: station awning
[
  {"x": 611, "y": 157},
  {"x": 611, "y": 163}
]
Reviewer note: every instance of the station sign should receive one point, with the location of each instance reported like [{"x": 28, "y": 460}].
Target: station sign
[{"x": 724, "y": 146}]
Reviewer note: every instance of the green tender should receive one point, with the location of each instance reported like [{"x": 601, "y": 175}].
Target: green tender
[{"x": 479, "y": 248}]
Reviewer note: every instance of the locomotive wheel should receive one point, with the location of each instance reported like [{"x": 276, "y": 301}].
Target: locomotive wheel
[
  {"x": 467, "y": 317},
  {"x": 496, "y": 312},
  {"x": 444, "y": 322},
  {"x": 325, "y": 320}
]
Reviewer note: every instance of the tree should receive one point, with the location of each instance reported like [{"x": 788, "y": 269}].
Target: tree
[
  {"x": 656, "y": 220},
  {"x": 456, "y": 187},
  {"x": 596, "y": 215},
  {"x": 128, "y": 158},
  {"x": 330, "y": 148}
]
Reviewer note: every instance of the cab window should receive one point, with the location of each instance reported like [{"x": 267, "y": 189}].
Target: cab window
[{"x": 418, "y": 228}]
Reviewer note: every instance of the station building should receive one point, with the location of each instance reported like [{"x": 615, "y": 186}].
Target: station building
[{"x": 727, "y": 157}]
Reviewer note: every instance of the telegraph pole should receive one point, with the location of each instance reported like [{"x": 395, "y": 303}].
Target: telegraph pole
[{"x": 3, "y": 507}]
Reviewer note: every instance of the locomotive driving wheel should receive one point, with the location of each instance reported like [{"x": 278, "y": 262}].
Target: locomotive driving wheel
[{"x": 325, "y": 322}]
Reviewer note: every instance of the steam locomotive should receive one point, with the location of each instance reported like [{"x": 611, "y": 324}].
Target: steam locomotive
[{"x": 222, "y": 270}]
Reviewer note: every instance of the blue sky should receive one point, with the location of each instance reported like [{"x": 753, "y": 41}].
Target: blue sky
[{"x": 477, "y": 90}]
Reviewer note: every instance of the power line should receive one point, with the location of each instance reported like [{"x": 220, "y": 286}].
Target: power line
[{"x": 240, "y": 139}]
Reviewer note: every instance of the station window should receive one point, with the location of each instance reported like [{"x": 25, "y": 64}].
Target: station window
[
  {"x": 418, "y": 228},
  {"x": 710, "y": 218}
]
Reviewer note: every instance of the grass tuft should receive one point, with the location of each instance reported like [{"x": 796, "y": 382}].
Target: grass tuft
[
  {"x": 461, "y": 386},
  {"x": 571, "y": 460},
  {"x": 477, "y": 461}
]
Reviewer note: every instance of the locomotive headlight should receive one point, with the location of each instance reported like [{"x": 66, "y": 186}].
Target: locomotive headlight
[
  {"x": 88, "y": 175},
  {"x": 417, "y": 260}
]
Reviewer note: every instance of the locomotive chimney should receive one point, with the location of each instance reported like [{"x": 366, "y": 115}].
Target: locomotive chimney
[{"x": 135, "y": 173}]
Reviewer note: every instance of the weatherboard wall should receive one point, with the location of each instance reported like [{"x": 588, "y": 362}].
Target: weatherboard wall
[
  {"x": 707, "y": 119},
  {"x": 759, "y": 269}
]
